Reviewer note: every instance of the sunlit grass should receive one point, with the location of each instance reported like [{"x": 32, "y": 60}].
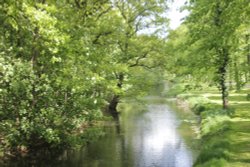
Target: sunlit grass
[
  {"x": 225, "y": 138},
  {"x": 233, "y": 97}
]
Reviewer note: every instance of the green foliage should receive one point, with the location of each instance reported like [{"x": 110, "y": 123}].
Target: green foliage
[
  {"x": 197, "y": 103},
  {"x": 248, "y": 97},
  {"x": 214, "y": 121},
  {"x": 215, "y": 144},
  {"x": 198, "y": 108},
  {"x": 58, "y": 72},
  {"x": 175, "y": 90},
  {"x": 215, "y": 162},
  {"x": 224, "y": 133},
  {"x": 211, "y": 46}
]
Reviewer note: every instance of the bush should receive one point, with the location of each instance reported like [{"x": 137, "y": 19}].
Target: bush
[
  {"x": 198, "y": 108},
  {"x": 35, "y": 112},
  {"x": 175, "y": 90},
  {"x": 213, "y": 163},
  {"x": 248, "y": 97}
]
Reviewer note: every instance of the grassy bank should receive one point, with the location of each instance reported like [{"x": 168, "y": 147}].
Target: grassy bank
[{"x": 225, "y": 135}]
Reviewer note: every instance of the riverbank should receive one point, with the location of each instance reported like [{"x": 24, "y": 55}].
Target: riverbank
[
  {"x": 150, "y": 132},
  {"x": 47, "y": 156},
  {"x": 225, "y": 135}
]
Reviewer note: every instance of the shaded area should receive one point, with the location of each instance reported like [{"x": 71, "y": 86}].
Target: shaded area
[{"x": 144, "y": 137}]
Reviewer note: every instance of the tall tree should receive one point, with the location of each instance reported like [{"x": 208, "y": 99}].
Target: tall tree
[
  {"x": 62, "y": 62},
  {"x": 136, "y": 17},
  {"x": 213, "y": 27}
]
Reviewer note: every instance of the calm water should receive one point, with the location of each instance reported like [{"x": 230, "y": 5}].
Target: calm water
[{"x": 157, "y": 136}]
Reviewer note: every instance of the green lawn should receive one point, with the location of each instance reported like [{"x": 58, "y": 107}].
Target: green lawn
[{"x": 225, "y": 139}]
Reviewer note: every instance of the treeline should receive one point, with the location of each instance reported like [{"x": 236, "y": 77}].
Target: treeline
[
  {"x": 213, "y": 45},
  {"x": 64, "y": 62}
]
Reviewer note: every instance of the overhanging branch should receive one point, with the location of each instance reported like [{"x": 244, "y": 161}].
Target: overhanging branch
[
  {"x": 98, "y": 36},
  {"x": 137, "y": 61}
]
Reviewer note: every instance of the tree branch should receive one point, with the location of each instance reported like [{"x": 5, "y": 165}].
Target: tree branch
[
  {"x": 104, "y": 12},
  {"x": 121, "y": 47},
  {"x": 137, "y": 61},
  {"x": 98, "y": 36},
  {"x": 146, "y": 66}
]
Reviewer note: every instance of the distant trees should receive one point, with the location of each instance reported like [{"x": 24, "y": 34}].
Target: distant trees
[{"x": 214, "y": 35}]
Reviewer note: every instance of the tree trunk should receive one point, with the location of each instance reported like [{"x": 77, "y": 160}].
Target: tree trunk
[
  {"x": 237, "y": 76},
  {"x": 222, "y": 77},
  {"x": 112, "y": 108},
  {"x": 223, "y": 57},
  {"x": 231, "y": 76},
  {"x": 248, "y": 57},
  {"x": 224, "y": 94}
]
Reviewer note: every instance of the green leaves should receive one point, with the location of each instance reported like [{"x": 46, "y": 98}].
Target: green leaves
[
  {"x": 62, "y": 62},
  {"x": 206, "y": 48}
]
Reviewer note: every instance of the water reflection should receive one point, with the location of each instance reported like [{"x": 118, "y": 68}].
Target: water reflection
[
  {"x": 156, "y": 141},
  {"x": 145, "y": 139},
  {"x": 142, "y": 139}
]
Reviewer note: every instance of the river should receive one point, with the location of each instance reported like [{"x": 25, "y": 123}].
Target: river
[{"x": 156, "y": 135}]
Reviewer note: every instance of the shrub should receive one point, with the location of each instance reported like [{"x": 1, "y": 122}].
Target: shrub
[
  {"x": 213, "y": 163},
  {"x": 248, "y": 97},
  {"x": 198, "y": 108}
]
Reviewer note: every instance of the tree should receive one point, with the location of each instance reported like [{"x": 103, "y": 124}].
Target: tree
[
  {"x": 46, "y": 94},
  {"x": 58, "y": 72},
  {"x": 211, "y": 30},
  {"x": 135, "y": 16}
]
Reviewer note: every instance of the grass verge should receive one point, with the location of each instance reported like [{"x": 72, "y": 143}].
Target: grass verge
[{"x": 225, "y": 134}]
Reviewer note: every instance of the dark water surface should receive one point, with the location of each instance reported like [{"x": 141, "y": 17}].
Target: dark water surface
[{"x": 158, "y": 136}]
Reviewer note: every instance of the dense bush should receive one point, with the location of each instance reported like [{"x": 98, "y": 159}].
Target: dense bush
[
  {"x": 58, "y": 73},
  {"x": 248, "y": 97},
  {"x": 34, "y": 112}
]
